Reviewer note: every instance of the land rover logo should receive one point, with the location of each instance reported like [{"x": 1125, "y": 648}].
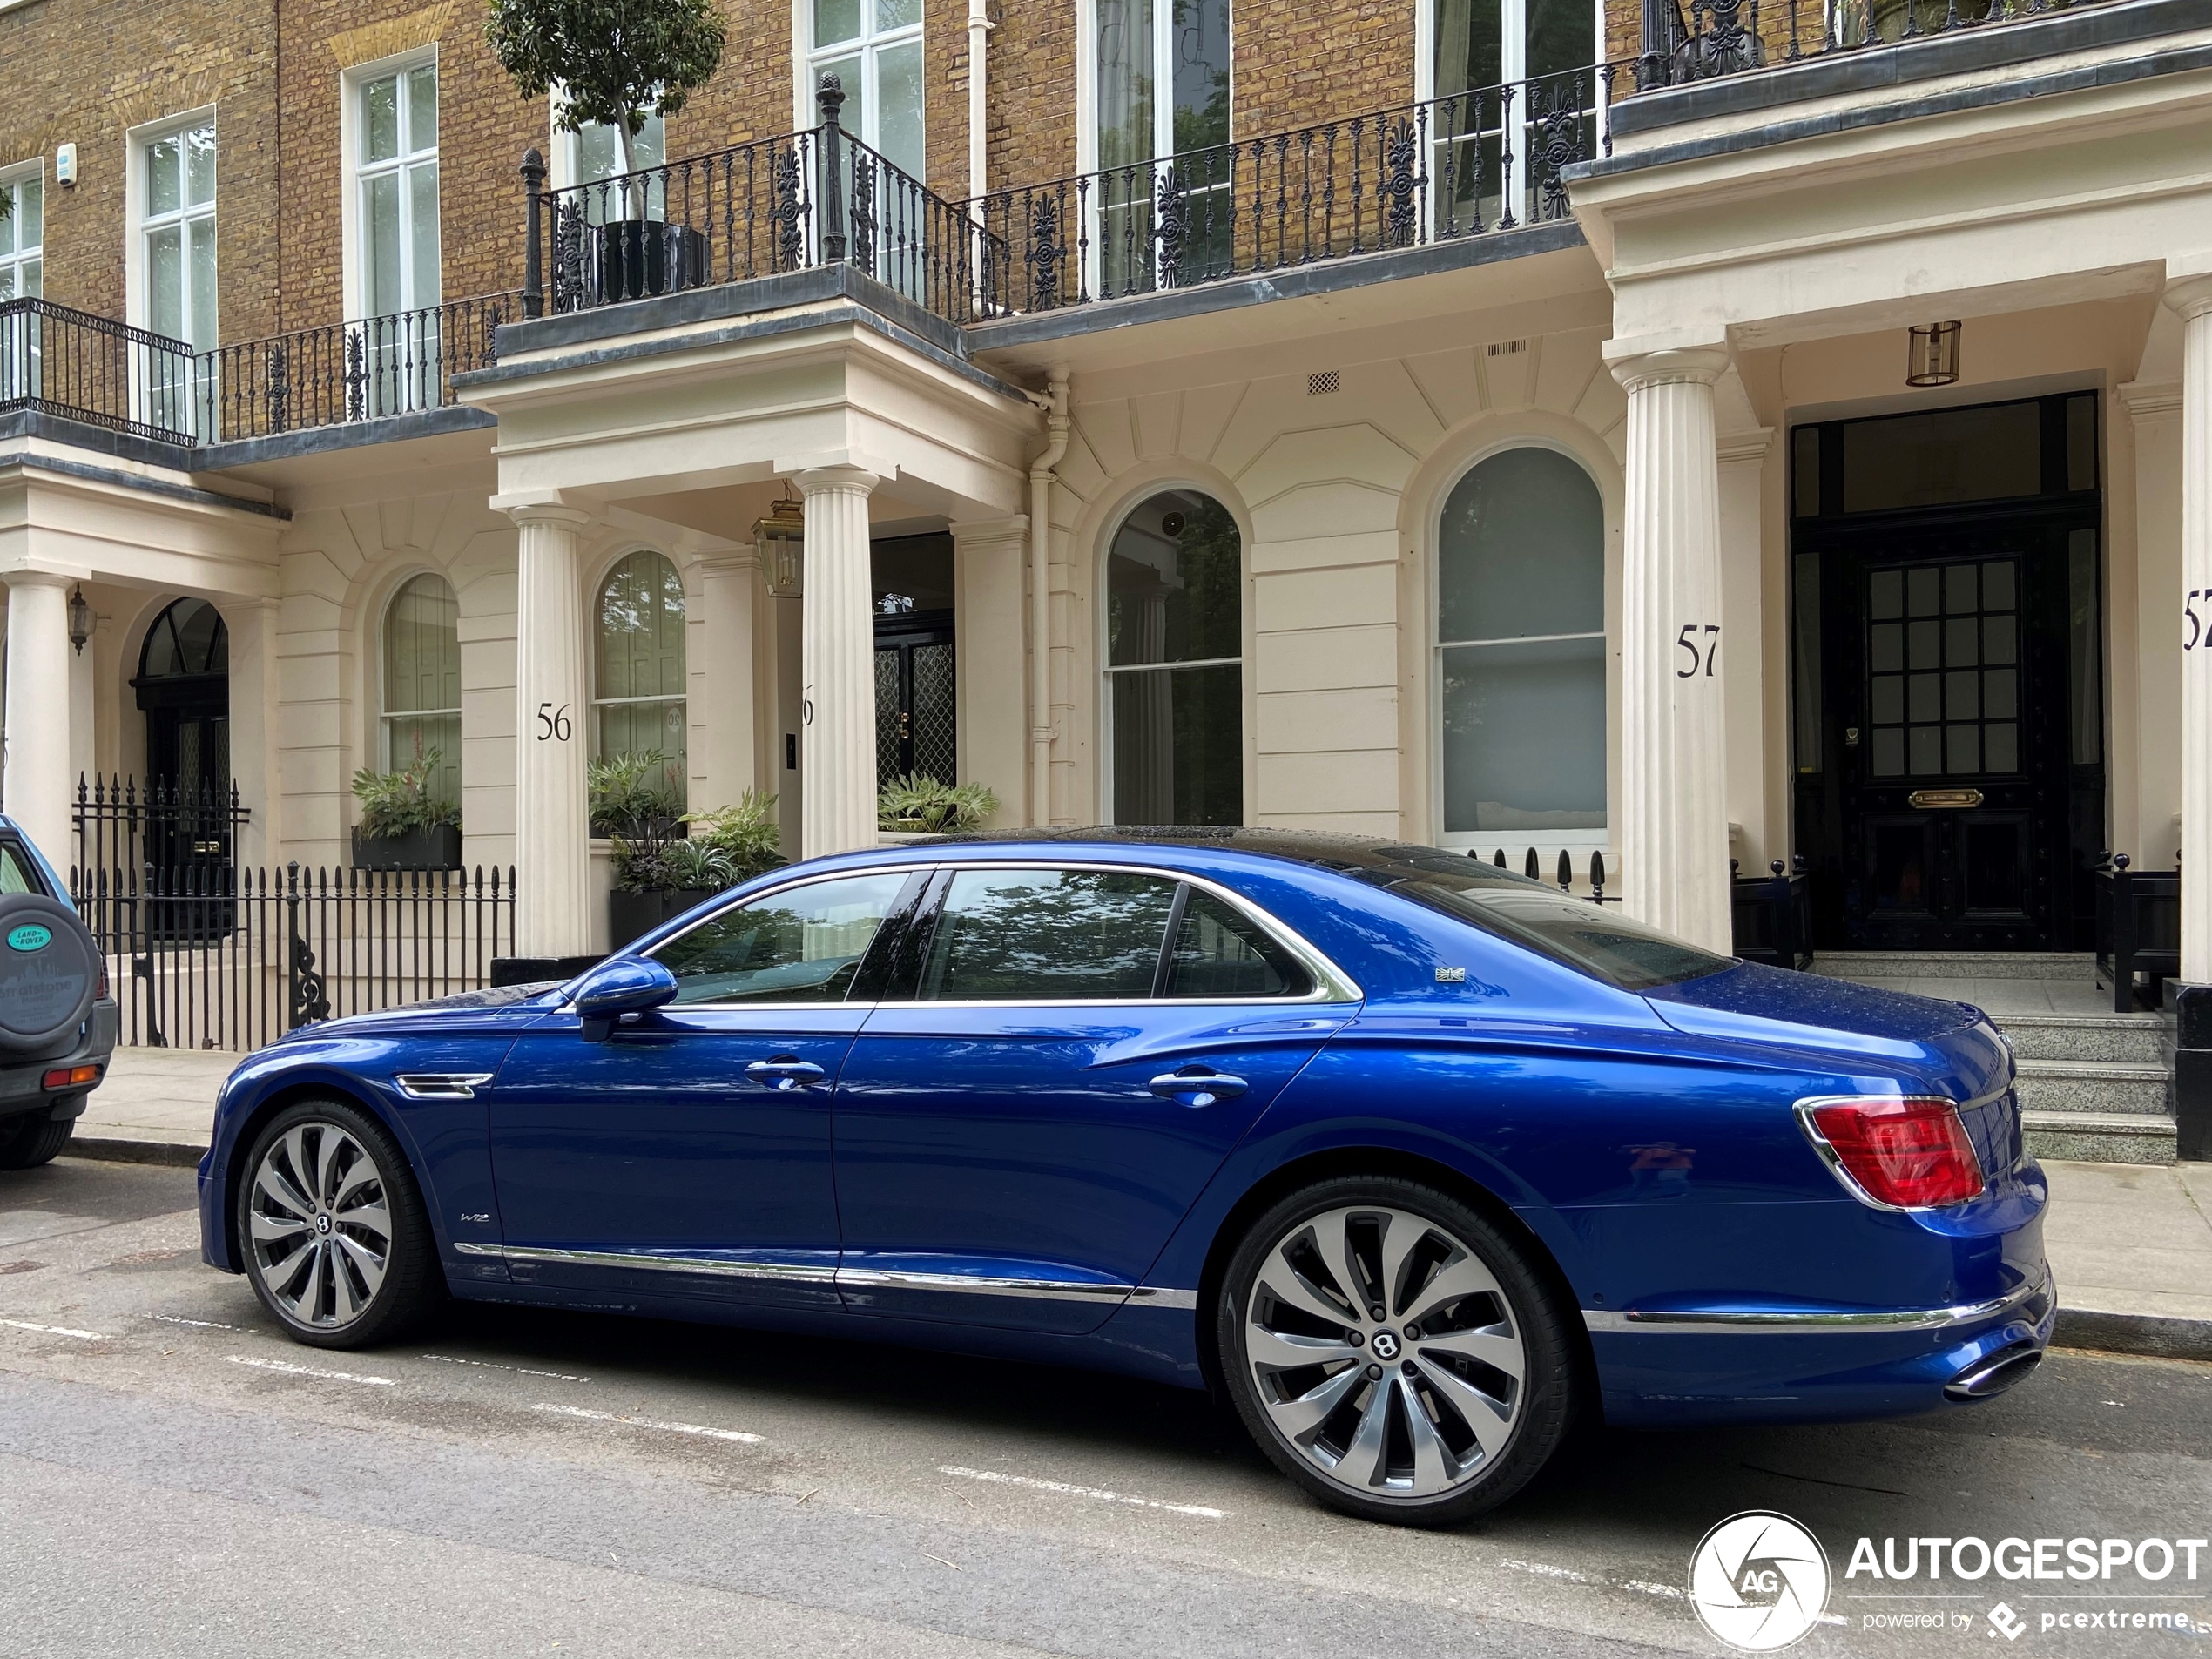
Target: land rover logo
[
  {"x": 29, "y": 936},
  {"x": 1385, "y": 1344}
]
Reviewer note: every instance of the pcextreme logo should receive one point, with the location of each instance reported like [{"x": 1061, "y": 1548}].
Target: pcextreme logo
[{"x": 1759, "y": 1580}]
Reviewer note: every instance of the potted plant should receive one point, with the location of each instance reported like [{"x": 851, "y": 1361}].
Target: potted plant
[
  {"x": 404, "y": 826},
  {"x": 666, "y": 861},
  {"x": 919, "y": 804},
  {"x": 617, "y": 61}
]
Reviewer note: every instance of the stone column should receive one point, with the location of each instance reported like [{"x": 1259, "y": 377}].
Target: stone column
[
  {"x": 37, "y": 785},
  {"x": 552, "y": 730},
  {"x": 252, "y": 627},
  {"x": 988, "y": 624},
  {"x": 729, "y": 743},
  {"x": 837, "y": 654},
  {"x": 2189, "y": 291},
  {"x": 1673, "y": 815}
]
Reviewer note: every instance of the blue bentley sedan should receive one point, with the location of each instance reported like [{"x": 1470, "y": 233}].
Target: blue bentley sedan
[{"x": 1412, "y": 1157}]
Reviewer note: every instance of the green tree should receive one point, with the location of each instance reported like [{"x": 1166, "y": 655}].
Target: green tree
[{"x": 619, "y": 62}]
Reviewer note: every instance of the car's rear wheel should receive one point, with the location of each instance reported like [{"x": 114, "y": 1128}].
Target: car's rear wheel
[
  {"x": 331, "y": 1227},
  {"x": 1394, "y": 1352},
  {"x": 26, "y": 1142}
]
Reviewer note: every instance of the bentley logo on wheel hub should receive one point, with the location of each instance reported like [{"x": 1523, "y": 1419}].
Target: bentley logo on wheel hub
[
  {"x": 322, "y": 1224},
  {"x": 1385, "y": 1345}
]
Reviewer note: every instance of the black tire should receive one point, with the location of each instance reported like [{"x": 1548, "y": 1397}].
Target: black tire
[
  {"x": 316, "y": 1146},
  {"x": 1481, "y": 1461},
  {"x": 30, "y": 1141}
]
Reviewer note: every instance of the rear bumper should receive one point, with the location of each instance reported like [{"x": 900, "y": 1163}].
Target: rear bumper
[
  {"x": 21, "y": 1088},
  {"x": 1679, "y": 1369}
]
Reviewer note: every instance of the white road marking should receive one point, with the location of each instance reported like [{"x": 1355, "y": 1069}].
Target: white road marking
[
  {"x": 306, "y": 1370},
  {"x": 488, "y": 1365},
  {"x": 1544, "y": 1570},
  {"x": 197, "y": 1325},
  {"x": 1066, "y": 1490},
  {"x": 737, "y": 1435},
  {"x": 54, "y": 1329},
  {"x": 1644, "y": 1584}
]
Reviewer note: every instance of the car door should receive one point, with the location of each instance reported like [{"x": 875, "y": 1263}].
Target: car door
[
  {"x": 1047, "y": 1088},
  {"x": 690, "y": 1152}
]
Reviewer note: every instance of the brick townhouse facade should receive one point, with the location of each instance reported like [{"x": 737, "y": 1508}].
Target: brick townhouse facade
[{"x": 1744, "y": 462}]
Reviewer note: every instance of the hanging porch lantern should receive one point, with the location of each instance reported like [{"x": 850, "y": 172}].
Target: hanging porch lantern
[
  {"x": 1932, "y": 358},
  {"x": 80, "y": 618},
  {"x": 781, "y": 538}
]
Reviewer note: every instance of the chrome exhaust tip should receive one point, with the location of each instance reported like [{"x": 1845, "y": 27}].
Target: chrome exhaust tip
[{"x": 1986, "y": 1378}]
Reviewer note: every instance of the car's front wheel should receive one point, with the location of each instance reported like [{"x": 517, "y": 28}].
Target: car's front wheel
[
  {"x": 1394, "y": 1352},
  {"x": 332, "y": 1229}
]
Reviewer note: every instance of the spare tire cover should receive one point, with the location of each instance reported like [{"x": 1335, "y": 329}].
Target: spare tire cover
[{"x": 50, "y": 971}]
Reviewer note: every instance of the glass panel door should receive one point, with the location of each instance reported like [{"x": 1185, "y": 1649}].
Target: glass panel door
[
  {"x": 1162, "y": 96},
  {"x": 398, "y": 343},
  {"x": 177, "y": 228}
]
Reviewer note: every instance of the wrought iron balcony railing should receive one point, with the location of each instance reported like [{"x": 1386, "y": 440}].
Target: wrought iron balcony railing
[
  {"x": 94, "y": 369},
  {"x": 63, "y": 361},
  {"x": 1455, "y": 166},
  {"x": 1716, "y": 38},
  {"x": 364, "y": 370}
]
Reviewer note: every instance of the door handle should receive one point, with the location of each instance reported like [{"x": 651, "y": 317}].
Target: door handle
[
  {"x": 786, "y": 1071},
  {"x": 1198, "y": 1085}
]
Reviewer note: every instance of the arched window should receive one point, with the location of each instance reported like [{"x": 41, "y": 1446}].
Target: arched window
[
  {"x": 422, "y": 681},
  {"x": 1520, "y": 652},
  {"x": 1175, "y": 631},
  {"x": 639, "y": 697}
]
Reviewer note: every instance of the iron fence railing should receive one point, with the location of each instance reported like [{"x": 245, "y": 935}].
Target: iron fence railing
[
  {"x": 235, "y": 957},
  {"x": 1471, "y": 162},
  {"x": 60, "y": 361},
  {"x": 367, "y": 369},
  {"x": 1714, "y": 37},
  {"x": 122, "y": 824}
]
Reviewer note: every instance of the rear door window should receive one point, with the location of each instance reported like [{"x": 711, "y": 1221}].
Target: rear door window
[
  {"x": 1220, "y": 951},
  {"x": 17, "y": 874},
  {"x": 1051, "y": 935}
]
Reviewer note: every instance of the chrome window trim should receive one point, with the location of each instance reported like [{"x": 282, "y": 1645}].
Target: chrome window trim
[
  {"x": 1828, "y": 1155},
  {"x": 439, "y": 1085},
  {"x": 1795, "y": 1323},
  {"x": 1331, "y": 985},
  {"x": 843, "y": 1278}
]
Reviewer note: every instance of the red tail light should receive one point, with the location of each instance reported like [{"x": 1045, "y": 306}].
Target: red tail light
[{"x": 1906, "y": 1154}]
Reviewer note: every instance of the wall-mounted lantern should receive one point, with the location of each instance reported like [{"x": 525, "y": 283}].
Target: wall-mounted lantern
[
  {"x": 781, "y": 538},
  {"x": 80, "y": 618},
  {"x": 1932, "y": 359}
]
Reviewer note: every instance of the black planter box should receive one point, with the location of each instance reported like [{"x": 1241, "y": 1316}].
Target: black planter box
[
  {"x": 631, "y": 915},
  {"x": 635, "y": 259},
  {"x": 437, "y": 849}
]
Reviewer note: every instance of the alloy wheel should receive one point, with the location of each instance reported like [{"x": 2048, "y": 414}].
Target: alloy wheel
[
  {"x": 320, "y": 1225},
  {"x": 1385, "y": 1352}
]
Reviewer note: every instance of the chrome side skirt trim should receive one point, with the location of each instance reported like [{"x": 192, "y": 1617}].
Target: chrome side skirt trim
[
  {"x": 844, "y": 1278},
  {"x": 1793, "y": 1323}
]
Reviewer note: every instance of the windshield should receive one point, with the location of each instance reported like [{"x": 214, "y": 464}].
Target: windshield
[{"x": 1596, "y": 940}]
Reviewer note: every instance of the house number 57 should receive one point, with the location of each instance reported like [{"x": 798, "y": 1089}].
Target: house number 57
[
  {"x": 1687, "y": 642},
  {"x": 553, "y": 723}
]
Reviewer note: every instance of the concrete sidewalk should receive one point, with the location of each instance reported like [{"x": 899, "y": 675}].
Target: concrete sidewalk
[{"x": 2131, "y": 1243}]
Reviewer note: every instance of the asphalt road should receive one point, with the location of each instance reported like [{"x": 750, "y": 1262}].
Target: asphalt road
[{"x": 177, "y": 1478}]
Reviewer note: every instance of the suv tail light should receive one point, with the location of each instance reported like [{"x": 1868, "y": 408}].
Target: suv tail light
[{"x": 1899, "y": 1154}]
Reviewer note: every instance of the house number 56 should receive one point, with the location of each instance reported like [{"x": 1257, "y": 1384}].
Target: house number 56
[
  {"x": 1686, "y": 641},
  {"x": 553, "y": 723}
]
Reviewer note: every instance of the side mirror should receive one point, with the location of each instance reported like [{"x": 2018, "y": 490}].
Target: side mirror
[{"x": 619, "y": 985}]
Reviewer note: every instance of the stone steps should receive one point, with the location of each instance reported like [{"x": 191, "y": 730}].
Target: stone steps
[
  {"x": 2140, "y": 1039},
  {"x": 2097, "y": 1086},
  {"x": 2077, "y": 965},
  {"x": 2100, "y": 1137}
]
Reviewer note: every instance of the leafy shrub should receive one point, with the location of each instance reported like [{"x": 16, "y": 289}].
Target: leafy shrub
[
  {"x": 400, "y": 803},
  {"x": 916, "y": 802},
  {"x": 722, "y": 847}
]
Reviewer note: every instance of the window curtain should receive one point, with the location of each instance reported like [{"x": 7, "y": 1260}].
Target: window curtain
[{"x": 1125, "y": 81}]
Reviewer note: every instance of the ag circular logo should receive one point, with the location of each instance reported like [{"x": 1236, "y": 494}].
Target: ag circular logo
[
  {"x": 29, "y": 936},
  {"x": 1759, "y": 1580},
  {"x": 1385, "y": 1345}
]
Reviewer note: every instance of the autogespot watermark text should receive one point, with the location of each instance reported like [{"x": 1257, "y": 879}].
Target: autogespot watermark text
[{"x": 2123, "y": 1568}]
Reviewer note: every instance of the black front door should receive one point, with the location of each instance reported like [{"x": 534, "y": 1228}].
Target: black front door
[
  {"x": 915, "y": 693},
  {"x": 1949, "y": 695}
]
